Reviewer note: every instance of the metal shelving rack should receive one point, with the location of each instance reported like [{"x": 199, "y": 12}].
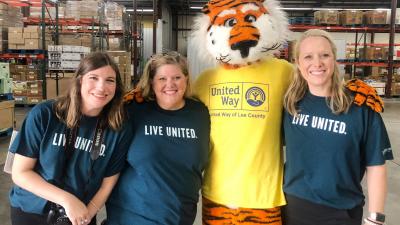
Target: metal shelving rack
[{"x": 363, "y": 31}]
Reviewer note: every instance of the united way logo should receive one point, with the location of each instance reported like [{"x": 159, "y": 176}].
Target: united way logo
[{"x": 255, "y": 96}]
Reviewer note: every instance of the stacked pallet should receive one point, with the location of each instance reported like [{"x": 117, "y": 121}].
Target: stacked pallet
[
  {"x": 29, "y": 37},
  {"x": 123, "y": 60},
  {"x": 27, "y": 86}
]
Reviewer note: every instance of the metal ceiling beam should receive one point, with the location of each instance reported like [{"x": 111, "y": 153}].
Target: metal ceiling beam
[{"x": 183, "y": 5}]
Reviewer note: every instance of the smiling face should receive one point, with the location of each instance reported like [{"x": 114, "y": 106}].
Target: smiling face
[
  {"x": 97, "y": 89},
  {"x": 169, "y": 85},
  {"x": 316, "y": 63}
]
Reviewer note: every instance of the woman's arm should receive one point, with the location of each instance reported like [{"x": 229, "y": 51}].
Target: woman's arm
[
  {"x": 25, "y": 177},
  {"x": 102, "y": 194},
  {"x": 377, "y": 187}
]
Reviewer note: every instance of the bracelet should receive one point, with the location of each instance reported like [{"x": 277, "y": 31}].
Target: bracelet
[
  {"x": 368, "y": 221},
  {"x": 95, "y": 206}
]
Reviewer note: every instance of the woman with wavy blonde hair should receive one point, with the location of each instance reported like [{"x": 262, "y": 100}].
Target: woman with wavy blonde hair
[
  {"x": 330, "y": 143},
  {"x": 160, "y": 183}
]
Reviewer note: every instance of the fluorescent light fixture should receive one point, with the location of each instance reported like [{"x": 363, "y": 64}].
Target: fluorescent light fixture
[
  {"x": 140, "y": 10},
  {"x": 297, "y": 9},
  {"x": 196, "y": 7},
  {"x": 308, "y": 9}
]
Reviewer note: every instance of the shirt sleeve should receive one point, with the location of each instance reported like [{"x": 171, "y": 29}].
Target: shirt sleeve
[
  {"x": 28, "y": 140},
  {"x": 376, "y": 144},
  {"x": 118, "y": 158}
]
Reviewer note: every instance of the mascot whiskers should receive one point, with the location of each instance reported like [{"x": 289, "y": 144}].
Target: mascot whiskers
[{"x": 243, "y": 181}]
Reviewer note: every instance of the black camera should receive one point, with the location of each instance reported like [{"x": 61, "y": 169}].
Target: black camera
[{"x": 57, "y": 216}]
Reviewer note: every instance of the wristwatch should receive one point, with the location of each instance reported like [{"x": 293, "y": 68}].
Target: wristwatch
[{"x": 378, "y": 217}]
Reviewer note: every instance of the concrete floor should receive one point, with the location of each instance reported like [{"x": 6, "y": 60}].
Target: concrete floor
[{"x": 391, "y": 117}]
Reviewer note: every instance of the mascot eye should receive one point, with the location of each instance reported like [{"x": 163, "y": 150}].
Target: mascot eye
[
  {"x": 230, "y": 22},
  {"x": 250, "y": 18}
]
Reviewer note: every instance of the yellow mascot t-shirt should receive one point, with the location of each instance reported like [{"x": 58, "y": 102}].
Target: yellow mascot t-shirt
[{"x": 245, "y": 104}]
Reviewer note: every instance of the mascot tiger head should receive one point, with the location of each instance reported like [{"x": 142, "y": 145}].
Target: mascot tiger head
[{"x": 240, "y": 32}]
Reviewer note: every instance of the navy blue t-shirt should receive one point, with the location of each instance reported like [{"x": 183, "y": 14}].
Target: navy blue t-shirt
[
  {"x": 161, "y": 181},
  {"x": 327, "y": 154},
  {"x": 43, "y": 137}
]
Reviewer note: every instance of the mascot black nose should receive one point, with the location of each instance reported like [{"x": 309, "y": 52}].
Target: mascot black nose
[{"x": 244, "y": 47}]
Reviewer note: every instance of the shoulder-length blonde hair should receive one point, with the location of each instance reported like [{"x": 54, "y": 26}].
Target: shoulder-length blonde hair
[
  {"x": 150, "y": 70},
  {"x": 339, "y": 101},
  {"x": 68, "y": 107}
]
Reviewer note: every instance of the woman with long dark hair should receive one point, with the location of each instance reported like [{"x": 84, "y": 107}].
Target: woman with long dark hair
[{"x": 70, "y": 151}]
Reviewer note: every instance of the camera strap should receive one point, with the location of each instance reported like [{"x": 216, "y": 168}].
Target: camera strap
[{"x": 97, "y": 141}]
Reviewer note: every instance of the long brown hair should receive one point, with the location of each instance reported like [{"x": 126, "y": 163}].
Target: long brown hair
[
  {"x": 68, "y": 107},
  {"x": 339, "y": 101},
  {"x": 150, "y": 70}
]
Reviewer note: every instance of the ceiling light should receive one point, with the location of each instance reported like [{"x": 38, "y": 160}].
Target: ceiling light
[
  {"x": 308, "y": 9},
  {"x": 140, "y": 10}
]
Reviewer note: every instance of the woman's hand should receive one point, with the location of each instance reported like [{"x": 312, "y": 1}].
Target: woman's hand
[
  {"x": 25, "y": 177},
  {"x": 76, "y": 210}
]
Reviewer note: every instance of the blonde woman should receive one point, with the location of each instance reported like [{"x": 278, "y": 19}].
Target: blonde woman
[
  {"x": 330, "y": 143},
  {"x": 169, "y": 150}
]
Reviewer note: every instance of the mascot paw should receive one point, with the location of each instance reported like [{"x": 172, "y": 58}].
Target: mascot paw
[
  {"x": 365, "y": 94},
  {"x": 133, "y": 95}
]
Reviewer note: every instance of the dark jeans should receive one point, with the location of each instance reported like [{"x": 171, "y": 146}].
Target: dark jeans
[
  {"x": 302, "y": 212},
  {"x": 19, "y": 217}
]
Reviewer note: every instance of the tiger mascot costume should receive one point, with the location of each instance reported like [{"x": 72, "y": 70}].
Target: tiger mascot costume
[{"x": 244, "y": 94}]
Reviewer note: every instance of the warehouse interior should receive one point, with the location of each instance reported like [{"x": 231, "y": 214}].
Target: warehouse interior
[{"x": 43, "y": 41}]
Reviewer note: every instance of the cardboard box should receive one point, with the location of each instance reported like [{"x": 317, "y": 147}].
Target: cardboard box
[
  {"x": 32, "y": 77},
  {"x": 34, "y": 92},
  {"x": 18, "y": 68},
  {"x": 395, "y": 89},
  {"x": 12, "y": 46},
  {"x": 7, "y": 114},
  {"x": 373, "y": 53},
  {"x": 328, "y": 17},
  {"x": 34, "y": 100},
  {"x": 33, "y": 44},
  {"x": 63, "y": 86},
  {"x": 31, "y": 29},
  {"x": 17, "y": 41},
  {"x": 19, "y": 92},
  {"x": 26, "y": 35},
  {"x": 351, "y": 17},
  {"x": 20, "y": 85},
  {"x": 3, "y": 6},
  {"x": 35, "y": 35},
  {"x": 15, "y": 30},
  {"x": 34, "y": 84},
  {"x": 17, "y": 77},
  {"x": 375, "y": 17},
  {"x": 12, "y": 36},
  {"x": 379, "y": 87},
  {"x": 20, "y": 99}
]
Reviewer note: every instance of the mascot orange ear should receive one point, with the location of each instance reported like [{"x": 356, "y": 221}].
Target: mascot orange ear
[
  {"x": 133, "y": 95},
  {"x": 365, "y": 94}
]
